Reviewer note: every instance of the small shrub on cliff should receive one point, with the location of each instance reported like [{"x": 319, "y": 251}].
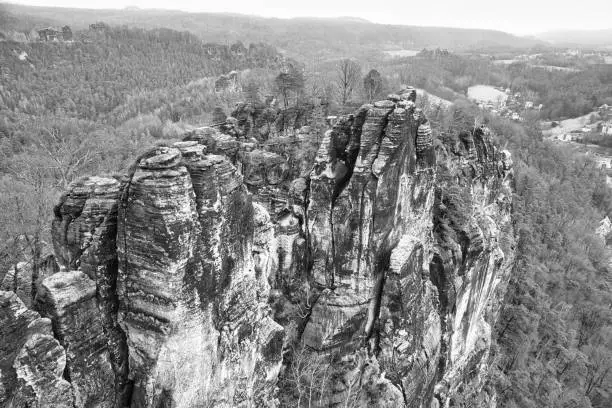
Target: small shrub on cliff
[{"x": 307, "y": 378}]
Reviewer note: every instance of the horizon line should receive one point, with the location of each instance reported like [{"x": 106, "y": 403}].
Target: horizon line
[{"x": 313, "y": 17}]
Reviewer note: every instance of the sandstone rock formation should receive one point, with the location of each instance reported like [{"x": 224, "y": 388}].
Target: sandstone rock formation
[
  {"x": 197, "y": 278},
  {"x": 69, "y": 300},
  {"x": 32, "y": 361}
]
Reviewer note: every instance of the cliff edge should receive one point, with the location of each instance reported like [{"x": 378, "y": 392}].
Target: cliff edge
[{"x": 362, "y": 265}]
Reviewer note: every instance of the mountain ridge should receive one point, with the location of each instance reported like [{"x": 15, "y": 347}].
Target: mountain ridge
[
  {"x": 303, "y": 34},
  {"x": 598, "y": 37}
]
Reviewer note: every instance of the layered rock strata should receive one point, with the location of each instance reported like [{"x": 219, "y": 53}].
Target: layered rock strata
[
  {"x": 69, "y": 300},
  {"x": 32, "y": 361},
  {"x": 192, "y": 284},
  {"x": 205, "y": 275}
]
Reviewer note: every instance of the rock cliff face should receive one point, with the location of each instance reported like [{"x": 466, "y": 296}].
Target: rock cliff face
[
  {"x": 31, "y": 361},
  {"x": 211, "y": 272}
]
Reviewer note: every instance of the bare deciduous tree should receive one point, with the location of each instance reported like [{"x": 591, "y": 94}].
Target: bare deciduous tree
[
  {"x": 372, "y": 84},
  {"x": 27, "y": 208},
  {"x": 289, "y": 83},
  {"x": 67, "y": 154},
  {"x": 348, "y": 73},
  {"x": 309, "y": 374}
]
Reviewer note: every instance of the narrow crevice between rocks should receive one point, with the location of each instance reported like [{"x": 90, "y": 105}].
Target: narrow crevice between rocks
[
  {"x": 42, "y": 304},
  {"x": 372, "y": 328},
  {"x": 382, "y": 264},
  {"x": 437, "y": 276},
  {"x": 334, "y": 271},
  {"x": 302, "y": 326},
  {"x": 123, "y": 204},
  {"x": 124, "y": 387},
  {"x": 360, "y": 245},
  {"x": 351, "y": 151},
  {"x": 108, "y": 304},
  {"x": 308, "y": 259},
  {"x": 363, "y": 192}
]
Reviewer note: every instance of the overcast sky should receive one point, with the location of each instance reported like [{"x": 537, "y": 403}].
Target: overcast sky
[{"x": 515, "y": 16}]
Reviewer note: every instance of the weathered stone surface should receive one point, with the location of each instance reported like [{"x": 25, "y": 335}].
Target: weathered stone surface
[
  {"x": 359, "y": 227},
  {"x": 32, "y": 361},
  {"x": 215, "y": 142},
  {"x": 408, "y": 93},
  {"x": 18, "y": 279},
  {"x": 84, "y": 235},
  {"x": 80, "y": 211},
  {"x": 381, "y": 250},
  {"x": 193, "y": 284},
  {"x": 424, "y": 138},
  {"x": 260, "y": 167},
  {"x": 472, "y": 259},
  {"x": 68, "y": 298},
  {"x": 373, "y": 229},
  {"x": 25, "y": 277},
  {"x": 264, "y": 121}
]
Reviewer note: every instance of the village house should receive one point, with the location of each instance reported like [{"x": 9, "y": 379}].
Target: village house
[
  {"x": 568, "y": 137},
  {"x": 99, "y": 26},
  {"x": 238, "y": 49},
  {"x": 50, "y": 34},
  {"x": 606, "y": 129},
  {"x": 605, "y": 111},
  {"x": 55, "y": 34}
]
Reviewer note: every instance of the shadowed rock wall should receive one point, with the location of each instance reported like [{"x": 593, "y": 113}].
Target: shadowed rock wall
[{"x": 194, "y": 279}]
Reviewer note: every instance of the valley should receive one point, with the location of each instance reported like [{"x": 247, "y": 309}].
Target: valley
[{"x": 222, "y": 210}]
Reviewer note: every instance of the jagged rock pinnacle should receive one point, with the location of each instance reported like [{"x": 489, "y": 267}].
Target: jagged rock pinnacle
[{"x": 202, "y": 270}]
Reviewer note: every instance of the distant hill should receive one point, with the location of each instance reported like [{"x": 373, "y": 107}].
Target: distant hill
[
  {"x": 589, "y": 38},
  {"x": 106, "y": 69},
  {"x": 303, "y": 37}
]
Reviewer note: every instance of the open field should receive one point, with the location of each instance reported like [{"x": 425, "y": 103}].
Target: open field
[
  {"x": 486, "y": 93},
  {"x": 402, "y": 53},
  {"x": 505, "y": 61},
  {"x": 566, "y": 126}
]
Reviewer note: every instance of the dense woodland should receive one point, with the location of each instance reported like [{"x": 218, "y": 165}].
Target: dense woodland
[
  {"x": 563, "y": 94},
  {"x": 299, "y": 37},
  {"x": 554, "y": 334},
  {"x": 69, "y": 109},
  {"x": 88, "y": 106}
]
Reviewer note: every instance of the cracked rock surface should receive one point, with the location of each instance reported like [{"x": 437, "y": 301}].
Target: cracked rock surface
[{"x": 191, "y": 280}]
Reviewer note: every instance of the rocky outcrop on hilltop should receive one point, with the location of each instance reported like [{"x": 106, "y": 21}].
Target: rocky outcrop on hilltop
[
  {"x": 360, "y": 265},
  {"x": 264, "y": 122}
]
